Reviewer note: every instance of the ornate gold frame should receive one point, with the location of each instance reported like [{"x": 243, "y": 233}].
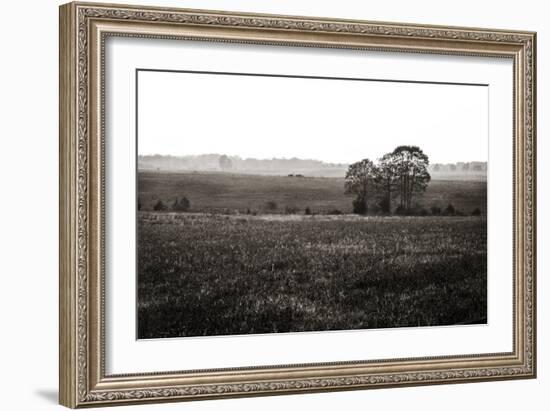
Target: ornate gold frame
[{"x": 83, "y": 29}]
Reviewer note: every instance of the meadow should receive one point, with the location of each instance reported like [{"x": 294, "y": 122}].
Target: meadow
[
  {"x": 217, "y": 192},
  {"x": 202, "y": 273}
]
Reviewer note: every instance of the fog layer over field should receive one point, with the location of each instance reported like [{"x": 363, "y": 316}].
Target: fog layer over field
[{"x": 474, "y": 170}]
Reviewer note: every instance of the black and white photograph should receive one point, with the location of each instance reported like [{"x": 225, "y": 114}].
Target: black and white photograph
[{"x": 273, "y": 209}]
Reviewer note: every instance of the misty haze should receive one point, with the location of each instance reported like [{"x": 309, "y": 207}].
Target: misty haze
[{"x": 474, "y": 170}]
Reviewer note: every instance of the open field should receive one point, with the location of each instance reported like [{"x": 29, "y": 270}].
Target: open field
[
  {"x": 211, "y": 274},
  {"x": 230, "y": 193}
]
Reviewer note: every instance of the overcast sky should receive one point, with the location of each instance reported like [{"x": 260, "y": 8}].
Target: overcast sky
[{"x": 337, "y": 121}]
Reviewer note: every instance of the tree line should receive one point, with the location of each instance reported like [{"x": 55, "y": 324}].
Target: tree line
[
  {"x": 399, "y": 175},
  {"x": 460, "y": 167},
  {"x": 224, "y": 162}
]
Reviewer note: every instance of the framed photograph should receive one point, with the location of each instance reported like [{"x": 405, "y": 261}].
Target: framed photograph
[{"x": 260, "y": 204}]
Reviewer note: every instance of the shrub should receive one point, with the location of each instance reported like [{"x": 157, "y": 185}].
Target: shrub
[
  {"x": 359, "y": 206},
  {"x": 182, "y": 204},
  {"x": 334, "y": 212},
  {"x": 435, "y": 210},
  {"x": 417, "y": 209},
  {"x": 423, "y": 212},
  {"x": 271, "y": 205},
  {"x": 384, "y": 205},
  {"x": 307, "y": 211},
  {"x": 450, "y": 210},
  {"x": 159, "y": 206},
  {"x": 291, "y": 210},
  {"x": 476, "y": 212},
  {"x": 400, "y": 210}
]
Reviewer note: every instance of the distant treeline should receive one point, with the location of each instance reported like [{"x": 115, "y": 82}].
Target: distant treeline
[
  {"x": 282, "y": 166},
  {"x": 221, "y": 162},
  {"x": 461, "y": 167}
]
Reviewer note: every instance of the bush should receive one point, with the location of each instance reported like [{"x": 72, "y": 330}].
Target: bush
[
  {"x": 291, "y": 210},
  {"x": 334, "y": 212},
  {"x": 271, "y": 205},
  {"x": 359, "y": 206},
  {"x": 182, "y": 204},
  {"x": 400, "y": 210},
  {"x": 159, "y": 206},
  {"x": 384, "y": 205},
  {"x": 307, "y": 211},
  {"x": 435, "y": 210},
  {"x": 450, "y": 210},
  {"x": 476, "y": 212},
  {"x": 417, "y": 209}
]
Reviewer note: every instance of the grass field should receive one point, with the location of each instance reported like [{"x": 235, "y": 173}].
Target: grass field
[
  {"x": 213, "y": 274},
  {"x": 230, "y": 193}
]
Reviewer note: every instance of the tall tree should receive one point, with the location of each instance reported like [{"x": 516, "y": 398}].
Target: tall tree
[
  {"x": 386, "y": 179},
  {"x": 411, "y": 165},
  {"x": 360, "y": 181}
]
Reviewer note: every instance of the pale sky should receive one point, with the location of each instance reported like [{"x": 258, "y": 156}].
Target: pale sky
[{"x": 337, "y": 121}]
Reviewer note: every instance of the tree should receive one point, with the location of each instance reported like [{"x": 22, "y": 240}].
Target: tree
[
  {"x": 225, "y": 162},
  {"x": 181, "y": 204},
  {"x": 386, "y": 180},
  {"x": 360, "y": 181},
  {"x": 271, "y": 205},
  {"x": 450, "y": 210},
  {"x": 411, "y": 167},
  {"x": 159, "y": 206}
]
